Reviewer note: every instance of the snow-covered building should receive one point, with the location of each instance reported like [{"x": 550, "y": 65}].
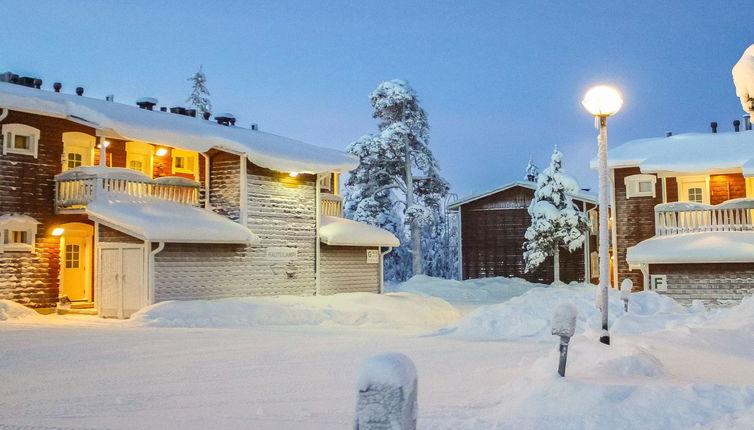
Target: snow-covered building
[
  {"x": 116, "y": 207},
  {"x": 491, "y": 235},
  {"x": 683, "y": 213}
]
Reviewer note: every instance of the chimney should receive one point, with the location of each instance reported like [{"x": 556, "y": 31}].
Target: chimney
[
  {"x": 163, "y": 109},
  {"x": 110, "y": 97},
  {"x": 26, "y": 81},
  {"x": 147, "y": 103},
  {"x": 737, "y": 125},
  {"x": 714, "y": 126},
  {"x": 179, "y": 110},
  {"x": 225, "y": 119},
  {"x": 747, "y": 121},
  {"x": 38, "y": 84},
  {"x": 255, "y": 126},
  {"x": 57, "y": 86},
  {"x": 191, "y": 113},
  {"x": 79, "y": 91},
  {"x": 668, "y": 133},
  {"x": 206, "y": 115}
]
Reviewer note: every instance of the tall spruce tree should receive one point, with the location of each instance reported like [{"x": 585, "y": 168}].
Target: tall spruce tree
[
  {"x": 532, "y": 171},
  {"x": 199, "y": 97},
  {"x": 555, "y": 220},
  {"x": 397, "y": 182}
]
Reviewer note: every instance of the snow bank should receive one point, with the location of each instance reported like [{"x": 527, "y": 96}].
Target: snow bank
[
  {"x": 346, "y": 232},
  {"x": 391, "y": 368},
  {"x": 397, "y": 311},
  {"x": 11, "y": 310},
  {"x": 485, "y": 290},
  {"x": 528, "y": 317},
  {"x": 703, "y": 247}
]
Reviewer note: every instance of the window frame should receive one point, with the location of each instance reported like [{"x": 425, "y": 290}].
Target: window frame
[
  {"x": 182, "y": 153},
  {"x": 632, "y": 185},
  {"x": 142, "y": 152},
  {"x": 83, "y": 144},
  {"x": 11, "y": 223},
  {"x": 9, "y": 133}
]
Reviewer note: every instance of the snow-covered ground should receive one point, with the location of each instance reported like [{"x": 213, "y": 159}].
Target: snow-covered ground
[{"x": 291, "y": 362}]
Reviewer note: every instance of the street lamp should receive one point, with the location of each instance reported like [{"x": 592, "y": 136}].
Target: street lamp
[{"x": 603, "y": 101}]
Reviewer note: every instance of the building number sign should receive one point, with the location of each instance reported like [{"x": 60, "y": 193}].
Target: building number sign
[{"x": 373, "y": 256}]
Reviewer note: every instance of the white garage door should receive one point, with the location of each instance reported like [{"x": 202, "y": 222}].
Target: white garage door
[{"x": 122, "y": 281}]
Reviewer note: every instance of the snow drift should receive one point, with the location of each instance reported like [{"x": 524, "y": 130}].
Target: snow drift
[
  {"x": 484, "y": 290},
  {"x": 10, "y": 310}
]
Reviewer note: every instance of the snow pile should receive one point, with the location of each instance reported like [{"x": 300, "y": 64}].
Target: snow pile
[
  {"x": 702, "y": 247},
  {"x": 11, "y": 310},
  {"x": 528, "y": 317},
  {"x": 564, "y": 320},
  {"x": 483, "y": 290},
  {"x": 398, "y": 310},
  {"x": 392, "y": 369},
  {"x": 346, "y": 232}
]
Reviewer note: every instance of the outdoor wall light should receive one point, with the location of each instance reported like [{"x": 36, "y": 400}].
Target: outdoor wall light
[
  {"x": 58, "y": 231},
  {"x": 161, "y": 152}
]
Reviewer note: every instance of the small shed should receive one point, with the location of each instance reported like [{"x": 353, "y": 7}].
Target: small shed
[{"x": 491, "y": 235}]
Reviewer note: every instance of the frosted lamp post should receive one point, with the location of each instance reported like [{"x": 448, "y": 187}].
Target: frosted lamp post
[{"x": 603, "y": 101}]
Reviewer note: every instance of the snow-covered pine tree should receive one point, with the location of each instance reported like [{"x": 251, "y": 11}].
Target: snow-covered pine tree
[
  {"x": 199, "y": 97},
  {"x": 532, "y": 171},
  {"x": 555, "y": 220},
  {"x": 398, "y": 177}
]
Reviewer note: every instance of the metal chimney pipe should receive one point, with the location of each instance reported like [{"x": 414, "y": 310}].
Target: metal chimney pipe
[
  {"x": 714, "y": 126},
  {"x": 668, "y": 133},
  {"x": 57, "y": 86},
  {"x": 747, "y": 121},
  {"x": 79, "y": 91},
  {"x": 737, "y": 125}
]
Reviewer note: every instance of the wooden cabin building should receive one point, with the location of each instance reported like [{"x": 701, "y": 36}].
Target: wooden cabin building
[
  {"x": 115, "y": 207},
  {"x": 492, "y": 228}
]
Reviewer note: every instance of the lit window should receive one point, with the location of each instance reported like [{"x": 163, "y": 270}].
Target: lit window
[
  {"x": 695, "y": 195},
  {"x": 75, "y": 160},
  {"x": 640, "y": 185},
  {"x": 20, "y": 139},
  {"x": 17, "y": 233},
  {"x": 72, "y": 253},
  {"x": 136, "y": 165},
  {"x": 185, "y": 162}
]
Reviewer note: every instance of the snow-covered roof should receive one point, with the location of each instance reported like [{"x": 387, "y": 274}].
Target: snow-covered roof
[
  {"x": 691, "y": 153},
  {"x": 706, "y": 247},
  {"x": 346, "y": 232},
  {"x": 162, "y": 221},
  {"x": 85, "y": 172},
  {"x": 582, "y": 196},
  {"x": 178, "y": 131}
]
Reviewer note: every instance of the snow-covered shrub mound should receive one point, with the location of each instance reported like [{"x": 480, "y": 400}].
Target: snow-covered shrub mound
[
  {"x": 11, "y": 310},
  {"x": 488, "y": 290},
  {"x": 397, "y": 310},
  {"x": 527, "y": 317}
]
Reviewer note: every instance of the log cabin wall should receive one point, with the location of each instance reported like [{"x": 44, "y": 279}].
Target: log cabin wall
[
  {"x": 719, "y": 284},
  {"x": 634, "y": 222},
  {"x": 344, "y": 269},
  {"x": 27, "y": 187},
  {"x": 492, "y": 241},
  {"x": 726, "y": 187}
]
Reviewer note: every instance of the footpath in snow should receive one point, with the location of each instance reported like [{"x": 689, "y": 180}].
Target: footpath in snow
[{"x": 293, "y": 362}]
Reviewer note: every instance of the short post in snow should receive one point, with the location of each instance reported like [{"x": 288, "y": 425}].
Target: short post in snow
[
  {"x": 387, "y": 393},
  {"x": 564, "y": 325},
  {"x": 625, "y": 292}
]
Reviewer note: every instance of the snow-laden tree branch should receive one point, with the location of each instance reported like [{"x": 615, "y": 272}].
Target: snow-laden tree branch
[{"x": 743, "y": 78}]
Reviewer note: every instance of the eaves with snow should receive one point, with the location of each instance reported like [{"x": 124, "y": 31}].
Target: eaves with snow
[
  {"x": 688, "y": 153},
  {"x": 177, "y": 131}
]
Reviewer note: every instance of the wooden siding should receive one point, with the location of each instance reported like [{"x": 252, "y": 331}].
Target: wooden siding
[
  {"x": 714, "y": 284},
  {"x": 493, "y": 240},
  {"x": 109, "y": 235},
  {"x": 344, "y": 269},
  {"x": 27, "y": 187},
  {"x": 635, "y": 222},
  {"x": 225, "y": 185},
  {"x": 726, "y": 187},
  {"x": 671, "y": 189}
]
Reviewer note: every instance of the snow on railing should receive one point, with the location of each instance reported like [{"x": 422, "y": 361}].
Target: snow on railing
[
  {"x": 688, "y": 217},
  {"x": 76, "y": 189},
  {"x": 332, "y": 205}
]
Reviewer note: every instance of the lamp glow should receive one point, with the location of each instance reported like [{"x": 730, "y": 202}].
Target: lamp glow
[
  {"x": 58, "y": 231},
  {"x": 106, "y": 144},
  {"x": 602, "y": 100},
  {"x": 161, "y": 152},
  {"x": 294, "y": 174}
]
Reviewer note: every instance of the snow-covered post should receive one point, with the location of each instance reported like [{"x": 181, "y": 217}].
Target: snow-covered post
[
  {"x": 603, "y": 101},
  {"x": 564, "y": 325},
  {"x": 387, "y": 393},
  {"x": 625, "y": 292}
]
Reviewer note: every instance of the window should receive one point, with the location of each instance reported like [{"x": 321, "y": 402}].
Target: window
[
  {"x": 185, "y": 162},
  {"x": 139, "y": 157},
  {"x": 17, "y": 233},
  {"x": 640, "y": 186},
  {"x": 72, "y": 254},
  {"x": 695, "y": 195},
  {"x": 74, "y": 160},
  {"x": 693, "y": 189},
  {"x": 20, "y": 139},
  {"x": 136, "y": 165}
]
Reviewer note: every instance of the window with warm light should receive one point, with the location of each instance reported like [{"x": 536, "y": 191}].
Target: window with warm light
[
  {"x": 78, "y": 150},
  {"x": 17, "y": 233},
  {"x": 20, "y": 139},
  {"x": 139, "y": 157},
  {"x": 186, "y": 162}
]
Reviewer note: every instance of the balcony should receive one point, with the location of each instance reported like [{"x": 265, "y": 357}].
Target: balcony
[
  {"x": 687, "y": 217},
  {"x": 76, "y": 188},
  {"x": 331, "y": 205}
]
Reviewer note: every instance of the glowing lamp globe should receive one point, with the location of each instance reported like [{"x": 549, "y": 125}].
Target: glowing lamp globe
[{"x": 602, "y": 100}]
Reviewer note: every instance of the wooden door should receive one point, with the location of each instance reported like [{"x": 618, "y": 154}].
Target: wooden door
[
  {"x": 695, "y": 191},
  {"x": 122, "y": 286},
  {"x": 75, "y": 268},
  {"x": 132, "y": 280},
  {"x": 108, "y": 299}
]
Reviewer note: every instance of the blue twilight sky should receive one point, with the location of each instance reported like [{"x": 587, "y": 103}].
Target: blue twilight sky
[{"x": 500, "y": 79}]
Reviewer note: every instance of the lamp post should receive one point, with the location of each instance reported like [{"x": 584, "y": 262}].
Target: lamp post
[{"x": 603, "y": 101}]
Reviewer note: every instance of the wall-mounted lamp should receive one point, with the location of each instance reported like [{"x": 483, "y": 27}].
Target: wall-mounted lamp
[
  {"x": 294, "y": 174},
  {"x": 161, "y": 152},
  {"x": 58, "y": 231},
  {"x": 107, "y": 143}
]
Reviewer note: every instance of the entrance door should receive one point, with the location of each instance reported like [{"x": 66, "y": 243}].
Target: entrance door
[
  {"x": 76, "y": 261},
  {"x": 694, "y": 191},
  {"x": 122, "y": 282}
]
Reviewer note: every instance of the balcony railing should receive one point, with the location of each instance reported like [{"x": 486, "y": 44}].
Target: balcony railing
[
  {"x": 687, "y": 217},
  {"x": 332, "y": 205},
  {"x": 78, "y": 187}
]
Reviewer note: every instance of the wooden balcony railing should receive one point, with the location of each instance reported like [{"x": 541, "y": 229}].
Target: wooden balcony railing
[
  {"x": 75, "y": 189},
  {"x": 332, "y": 205},
  {"x": 687, "y": 217}
]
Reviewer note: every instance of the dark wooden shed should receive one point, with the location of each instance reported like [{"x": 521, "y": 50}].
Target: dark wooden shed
[{"x": 492, "y": 227}]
